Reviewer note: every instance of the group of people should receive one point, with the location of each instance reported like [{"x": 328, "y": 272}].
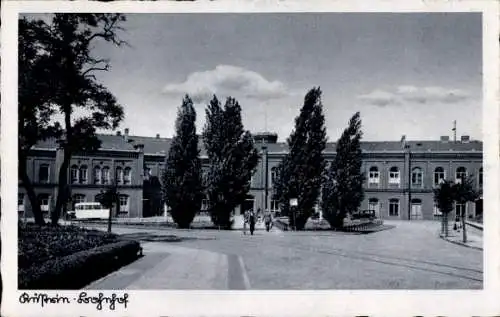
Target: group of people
[{"x": 250, "y": 218}]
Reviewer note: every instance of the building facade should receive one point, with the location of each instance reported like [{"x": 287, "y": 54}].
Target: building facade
[{"x": 400, "y": 175}]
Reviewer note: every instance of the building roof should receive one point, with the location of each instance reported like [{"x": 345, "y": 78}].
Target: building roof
[{"x": 156, "y": 145}]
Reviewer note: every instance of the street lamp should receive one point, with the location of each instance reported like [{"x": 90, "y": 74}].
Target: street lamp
[{"x": 293, "y": 205}]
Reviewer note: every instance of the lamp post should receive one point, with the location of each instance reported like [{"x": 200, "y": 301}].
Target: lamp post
[
  {"x": 409, "y": 182},
  {"x": 293, "y": 206}
]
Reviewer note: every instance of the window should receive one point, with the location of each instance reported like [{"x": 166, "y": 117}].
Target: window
[
  {"x": 205, "y": 205},
  {"x": 78, "y": 198},
  {"x": 460, "y": 209},
  {"x": 480, "y": 177},
  {"x": 74, "y": 174},
  {"x": 147, "y": 173},
  {"x": 373, "y": 204},
  {"x": 417, "y": 177},
  {"x": 20, "y": 202},
  {"x": 43, "y": 200},
  {"x": 274, "y": 175},
  {"x": 105, "y": 175},
  {"x": 123, "y": 204},
  {"x": 438, "y": 176},
  {"x": 127, "y": 176},
  {"x": 460, "y": 174},
  {"x": 97, "y": 175},
  {"x": 274, "y": 206},
  {"x": 373, "y": 176},
  {"x": 119, "y": 176},
  {"x": 83, "y": 174},
  {"x": 394, "y": 207},
  {"x": 43, "y": 173},
  {"x": 394, "y": 175}
]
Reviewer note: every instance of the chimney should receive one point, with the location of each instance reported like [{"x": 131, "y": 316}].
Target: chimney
[
  {"x": 445, "y": 138},
  {"x": 465, "y": 139},
  {"x": 403, "y": 141},
  {"x": 157, "y": 135},
  {"x": 125, "y": 132},
  {"x": 118, "y": 133}
]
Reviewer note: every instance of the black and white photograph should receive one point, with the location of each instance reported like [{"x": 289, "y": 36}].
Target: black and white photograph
[{"x": 249, "y": 151}]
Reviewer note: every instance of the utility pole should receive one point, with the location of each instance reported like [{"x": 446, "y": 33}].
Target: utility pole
[{"x": 455, "y": 131}]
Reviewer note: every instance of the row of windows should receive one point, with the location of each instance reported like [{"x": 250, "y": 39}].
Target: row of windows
[
  {"x": 416, "y": 207},
  {"x": 79, "y": 174},
  {"x": 417, "y": 175}
]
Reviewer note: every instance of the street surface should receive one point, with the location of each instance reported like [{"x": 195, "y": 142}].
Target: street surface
[{"x": 409, "y": 256}]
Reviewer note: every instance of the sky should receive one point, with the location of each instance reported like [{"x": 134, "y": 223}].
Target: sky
[{"x": 407, "y": 73}]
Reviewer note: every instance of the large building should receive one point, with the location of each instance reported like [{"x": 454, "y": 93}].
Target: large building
[{"x": 400, "y": 175}]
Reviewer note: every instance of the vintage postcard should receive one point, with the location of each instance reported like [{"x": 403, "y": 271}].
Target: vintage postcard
[{"x": 229, "y": 158}]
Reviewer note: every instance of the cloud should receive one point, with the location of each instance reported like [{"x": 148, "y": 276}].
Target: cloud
[
  {"x": 407, "y": 94},
  {"x": 380, "y": 98},
  {"x": 226, "y": 80}
]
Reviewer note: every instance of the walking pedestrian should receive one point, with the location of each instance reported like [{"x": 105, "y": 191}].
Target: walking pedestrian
[
  {"x": 251, "y": 220},
  {"x": 246, "y": 216}
]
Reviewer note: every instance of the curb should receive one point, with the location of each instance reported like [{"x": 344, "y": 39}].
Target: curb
[{"x": 461, "y": 244}]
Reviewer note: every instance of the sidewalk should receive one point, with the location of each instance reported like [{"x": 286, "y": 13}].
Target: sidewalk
[
  {"x": 474, "y": 241},
  {"x": 173, "y": 267}
]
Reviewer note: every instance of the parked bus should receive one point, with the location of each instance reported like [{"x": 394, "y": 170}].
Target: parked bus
[{"x": 93, "y": 210}]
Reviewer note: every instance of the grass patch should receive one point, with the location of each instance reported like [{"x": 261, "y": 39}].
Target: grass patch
[{"x": 68, "y": 257}]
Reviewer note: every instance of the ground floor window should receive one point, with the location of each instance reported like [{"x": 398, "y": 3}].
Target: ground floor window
[
  {"x": 124, "y": 206},
  {"x": 43, "y": 200},
  {"x": 275, "y": 206},
  {"x": 78, "y": 198},
  {"x": 20, "y": 202},
  {"x": 394, "y": 207},
  {"x": 205, "y": 205},
  {"x": 460, "y": 209},
  {"x": 436, "y": 211}
]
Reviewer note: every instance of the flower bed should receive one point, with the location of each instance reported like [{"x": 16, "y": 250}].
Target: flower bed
[{"x": 67, "y": 257}]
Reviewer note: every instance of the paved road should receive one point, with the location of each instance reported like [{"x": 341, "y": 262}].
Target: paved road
[{"x": 410, "y": 256}]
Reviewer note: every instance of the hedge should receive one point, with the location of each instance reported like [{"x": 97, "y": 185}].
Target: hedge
[
  {"x": 38, "y": 244},
  {"x": 79, "y": 269}
]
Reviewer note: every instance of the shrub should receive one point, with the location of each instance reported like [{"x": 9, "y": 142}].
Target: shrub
[
  {"x": 38, "y": 244},
  {"x": 78, "y": 269}
]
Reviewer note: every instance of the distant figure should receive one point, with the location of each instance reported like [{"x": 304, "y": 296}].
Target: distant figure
[
  {"x": 246, "y": 216},
  {"x": 251, "y": 221},
  {"x": 268, "y": 219}
]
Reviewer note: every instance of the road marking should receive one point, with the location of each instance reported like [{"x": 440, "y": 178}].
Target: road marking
[{"x": 246, "y": 280}]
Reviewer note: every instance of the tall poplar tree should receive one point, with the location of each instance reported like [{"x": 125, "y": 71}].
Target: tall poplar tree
[
  {"x": 232, "y": 159},
  {"x": 343, "y": 191},
  {"x": 301, "y": 170},
  {"x": 182, "y": 183}
]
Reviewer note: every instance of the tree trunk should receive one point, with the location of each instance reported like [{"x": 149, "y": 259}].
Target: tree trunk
[
  {"x": 30, "y": 191},
  {"x": 62, "y": 191},
  {"x": 464, "y": 230},
  {"x": 109, "y": 218},
  {"x": 446, "y": 225}
]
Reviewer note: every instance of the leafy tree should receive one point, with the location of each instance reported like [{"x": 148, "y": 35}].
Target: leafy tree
[
  {"x": 232, "y": 159},
  {"x": 301, "y": 170},
  {"x": 182, "y": 183},
  {"x": 108, "y": 198},
  {"x": 37, "y": 88},
  {"x": 343, "y": 190},
  {"x": 444, "y": 198},
  {"x": 463, "y": 192},
  {"x": 66, "y": 43}
]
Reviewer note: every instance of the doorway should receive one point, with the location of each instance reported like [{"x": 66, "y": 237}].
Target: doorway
[
  {"x": 416, "y": 209},
  {"x": 248, "y": 204},
  {"x": 373, "y": 205}
]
